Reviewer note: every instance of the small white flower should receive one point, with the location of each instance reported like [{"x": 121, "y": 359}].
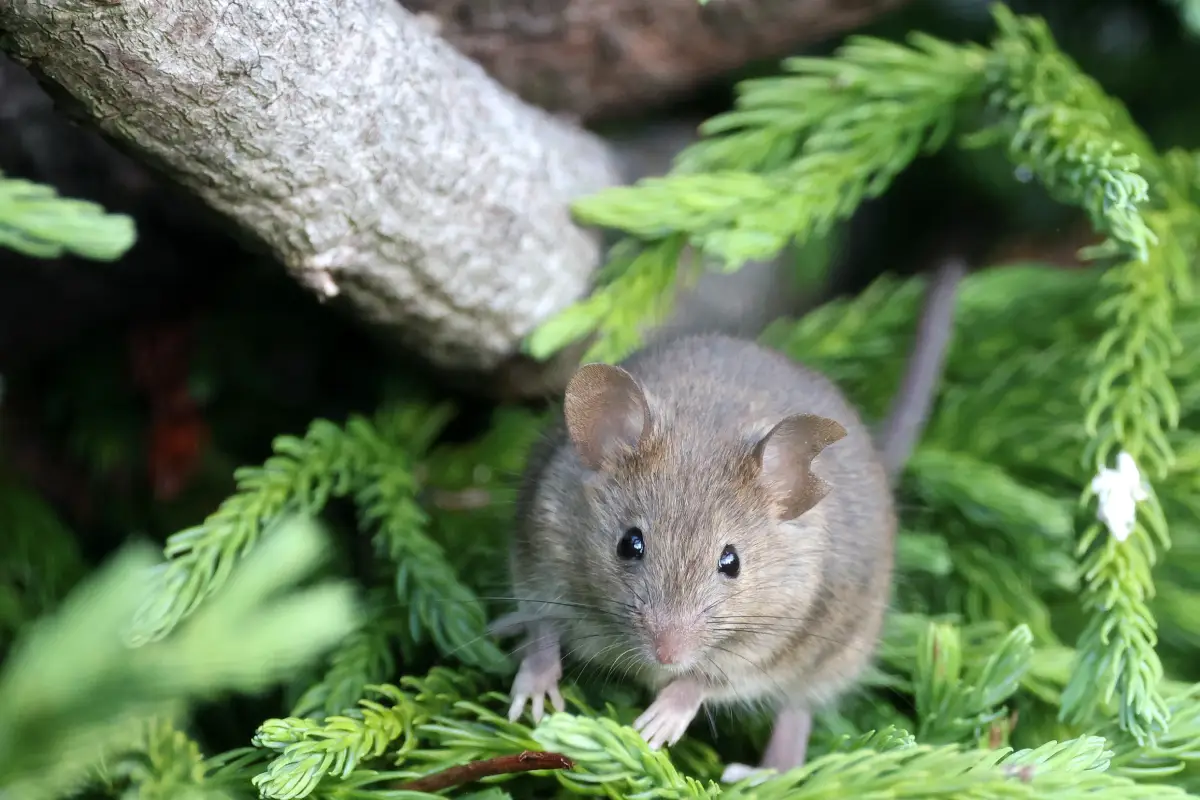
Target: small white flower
[{"x": 1119, "y": 491}]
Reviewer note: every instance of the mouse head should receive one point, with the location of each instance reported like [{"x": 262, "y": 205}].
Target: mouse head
[{"x": 700, "y": 535}]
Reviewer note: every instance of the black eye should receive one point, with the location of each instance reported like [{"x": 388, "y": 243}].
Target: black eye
[
  {"x": 631, "y": 544},
  {"x": 728, "y": 564}
]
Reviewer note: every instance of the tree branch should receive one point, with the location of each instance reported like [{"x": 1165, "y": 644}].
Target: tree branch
[
  {"x": 375, "y": 162},
  {"x": 528, "y": 761}
]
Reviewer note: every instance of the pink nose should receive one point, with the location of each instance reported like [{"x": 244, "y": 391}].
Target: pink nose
[{"x": 668, "y": 647}]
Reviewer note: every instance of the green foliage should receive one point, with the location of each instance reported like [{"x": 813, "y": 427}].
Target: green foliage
[
  {"x": 336, "y": 746},
  {"x": 41, "y": 563},
  {"x": 1071, "y": 769},
  {"x": 426, "y": 583},
  {"x": 363, "y": 658},
  {"x": 800, "y": 152},
  {"x": 1189, "y": 14},
  {"x": 373, "y": 462},
  {"x": 35, "y": 221},
  {"x": 73, "y": 693},
  {"x": 952, "y": 706},
  {"x": 1026, "y": 652},
  {"x": 636, "y": 291}
]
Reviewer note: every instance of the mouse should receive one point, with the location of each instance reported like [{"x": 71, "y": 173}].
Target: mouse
[{"x": 715, "y": 521}]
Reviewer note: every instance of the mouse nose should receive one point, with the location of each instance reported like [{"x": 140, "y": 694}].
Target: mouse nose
[{"x": 669, "y": 646}]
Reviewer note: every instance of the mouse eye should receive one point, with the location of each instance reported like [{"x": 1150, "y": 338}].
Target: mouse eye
[
  {"x": 631, "y": 545},
  {"x": 728, "y": 564}
]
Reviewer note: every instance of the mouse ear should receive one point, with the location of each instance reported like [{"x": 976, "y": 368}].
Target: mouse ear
[
  {"x": 607, "y": 413},
  {"x": 785, "y": 455}
]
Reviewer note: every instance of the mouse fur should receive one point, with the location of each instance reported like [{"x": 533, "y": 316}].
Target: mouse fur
[{"x": 680, "y": 440}]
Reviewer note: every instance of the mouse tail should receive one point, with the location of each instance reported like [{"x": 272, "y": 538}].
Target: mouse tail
[{"x": 914, "y": 400}]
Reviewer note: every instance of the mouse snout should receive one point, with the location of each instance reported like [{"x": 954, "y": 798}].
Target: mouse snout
[{"x": 668, "y": 646}]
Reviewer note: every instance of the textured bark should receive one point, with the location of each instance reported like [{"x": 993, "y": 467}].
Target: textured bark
[
  {"x": 600, "y": 58},
  {"x": 347, "y": 140}
]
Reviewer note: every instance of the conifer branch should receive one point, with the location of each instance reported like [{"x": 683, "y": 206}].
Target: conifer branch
[
  {"x": 362, "y": 659},
  {"x": 310, "y": 750},
  {"x": 301, "y": 476},
  {"x": 436, "y": 601},
  {"x": 335, "y": 748},
  {"x": 636, "y": 290},
  {"x": 1132, "y": 407},
  {"x": 35, "y": 221},
  {"x": 1072, "y": 770},
  {"x": 374, "y": 462},
  {"x": 72, "y": 694},
  {"x": 1062, "y": 128},
  {"x": 953, "y": 706},
  {"x": 166, "y": 763},
  {"x": 802, "y": 151},
  {"x": 610, "y": 754}
]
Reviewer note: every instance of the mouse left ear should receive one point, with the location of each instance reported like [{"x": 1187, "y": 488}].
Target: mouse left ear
[{"x": 784, "y": 458}]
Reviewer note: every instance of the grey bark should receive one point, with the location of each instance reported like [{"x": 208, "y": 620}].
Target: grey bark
[{"x": 375, "y": 162}]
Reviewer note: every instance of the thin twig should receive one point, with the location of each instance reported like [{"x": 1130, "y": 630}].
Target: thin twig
[{"x": 528, "y": 761}]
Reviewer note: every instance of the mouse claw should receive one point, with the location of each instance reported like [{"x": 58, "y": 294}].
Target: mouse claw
[
  {"x": 668, "y": 717},
  {"x": 536, "y": 679}
]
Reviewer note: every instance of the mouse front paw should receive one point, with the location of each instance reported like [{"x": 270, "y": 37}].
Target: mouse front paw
[
  {"x": 537, "y": 678},
  {"x": 668, "y": 717}
]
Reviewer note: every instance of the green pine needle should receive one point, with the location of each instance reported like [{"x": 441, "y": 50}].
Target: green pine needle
[{"x": 35, "y": 221}]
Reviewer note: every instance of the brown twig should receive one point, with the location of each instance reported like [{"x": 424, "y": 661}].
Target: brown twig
[{"x": 528, "y": 761}]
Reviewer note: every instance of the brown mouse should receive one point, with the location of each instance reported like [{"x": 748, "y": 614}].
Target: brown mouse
[{"x": 714, "y": 520}]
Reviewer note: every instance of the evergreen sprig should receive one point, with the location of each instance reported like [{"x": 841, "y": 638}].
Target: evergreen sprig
[
  {"x": 1072, "y": 770},
  {"x": 376, "y": 463},
  {"x": 1060, "y": 127},
  {"x": 953, "y": 704},
  {"x": 801, "y": 151},
  {"x": 635, "y": 291},
  {"x": 301, "y": 477},
  {"x": 334, "y": 752},
  {"x": 615, "y": 757},
  {"x": 73, "y": 694},
  {"x": 35, "y": 221},
  {"x": 166, "y": 764},
  {"x": 1132, "y": 406},
  {"x": 426, "y": 585},
  {"x": 336, "y": 746},
  {"x": 364, "y": 658}
]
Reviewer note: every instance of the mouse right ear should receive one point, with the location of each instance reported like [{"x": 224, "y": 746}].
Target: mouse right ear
[
  {"x": 785, "y": 455},
  {"x": 607, "y": 414}
]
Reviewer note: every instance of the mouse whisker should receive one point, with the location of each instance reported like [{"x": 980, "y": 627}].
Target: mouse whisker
[
  {"x": 610, "y": 671},
  {"x": 755, "y": 666},
  {"x": 608, "y": 666},
  {"x": 632, "y": 654},
  {"x": 542, "y": 601},
  {"x": 717, "y": 667},
  {"x": 769, "y": 631},
  {"x": 577, "y": 671}
]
